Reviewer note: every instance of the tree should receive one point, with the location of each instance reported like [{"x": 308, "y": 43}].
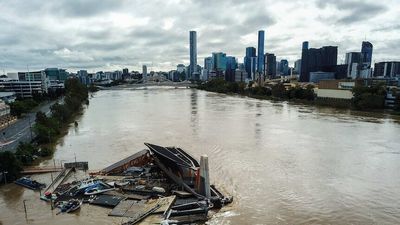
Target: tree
[
  {"x": 279, "y": 91},
  {"x": 370, "y": 97},
  {"x": 9, "y": 163},
  {"x": 25, "y": 153},
  {"x": 20, "y": 107},
  {"x": 60, "y": 112}
]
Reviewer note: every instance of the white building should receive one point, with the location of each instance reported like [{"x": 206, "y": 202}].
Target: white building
[{"x": 24, "y": 89}]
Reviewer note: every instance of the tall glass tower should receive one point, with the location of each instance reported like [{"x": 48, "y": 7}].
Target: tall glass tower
[
  {"x": 193, "y": 53},
  {"x": 260, "y": 56},
  {"x": 366, "y": 51},
  {"x": 304, "y": 73},
  {"x": 250, "y": 53}
]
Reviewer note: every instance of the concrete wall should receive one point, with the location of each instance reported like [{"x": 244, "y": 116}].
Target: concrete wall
[{"x": 332, "y": 93}]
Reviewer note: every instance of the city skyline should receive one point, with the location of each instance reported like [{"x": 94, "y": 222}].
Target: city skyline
[{"x": 113, "y": 35}]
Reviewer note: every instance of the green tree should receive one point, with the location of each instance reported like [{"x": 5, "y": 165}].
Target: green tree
[
  {"x": 60, "y": 112},
  {"x": 25, "y": 153},
  {"x": 20, "y": 107},
  {"x": 279, "y": 91},
  {"x": 9, "y": 163},
  {"x": 369, "y": 97},
  {"x": 46, "y": 128}
]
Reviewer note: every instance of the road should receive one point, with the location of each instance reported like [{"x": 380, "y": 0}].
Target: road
[{"x": 22, "y": 129}]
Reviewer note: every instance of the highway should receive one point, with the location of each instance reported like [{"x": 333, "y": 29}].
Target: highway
[{"x": 22, "y": 129}]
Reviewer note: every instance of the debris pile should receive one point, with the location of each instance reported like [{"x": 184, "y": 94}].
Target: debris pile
[{"x": 163, "y": 185}]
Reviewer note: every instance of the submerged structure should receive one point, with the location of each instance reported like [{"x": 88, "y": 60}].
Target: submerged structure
[{"x": 163, "y": 185}]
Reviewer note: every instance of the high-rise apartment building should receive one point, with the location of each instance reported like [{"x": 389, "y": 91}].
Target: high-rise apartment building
[
  {"x": 250, "y": 53},
  {"x": 260, "y": 56},
  {"x": 270, "y": 65}
]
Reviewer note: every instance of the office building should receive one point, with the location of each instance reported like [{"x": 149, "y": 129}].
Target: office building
[
  {"x": 260, "y": 56},
  {"x": 341, "y": 71},
  {"x": 24, "y": 89},
  {"x": 116, "y": 75},
  {"x": 297, "y": 67},
  {"x": 56, "y": 74},
  {"x": 219, "y": 61},
  {"x": 83, "y": 77},
  {"x": 284, "y": 67},
  {"x": 304, "y": 74},
  {"x": 366, "y": 51},
  {"x": 208, "y": 63},
  {"x": 317, "y": 60},
  {"x": 240, "y": 75},
  {"x": 354, "y": 62},
  {"x": 193, "y": 53},
  {"x": 270, "y": 66},
  {"x": 250, "y": 53},
  {"x": 32, "y": 76},
  {"x": 231, "y": 66},
  {"x": 387, "y": 69}
]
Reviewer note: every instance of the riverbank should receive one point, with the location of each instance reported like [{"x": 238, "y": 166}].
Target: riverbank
[
  {"x": 48, "y": 129},
  {"x": 296, "y": 159},
  {"x": 366, "y": 99}
]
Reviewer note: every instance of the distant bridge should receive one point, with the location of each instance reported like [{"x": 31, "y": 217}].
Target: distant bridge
[
  {"x": 156, "y": 81},
  {"x": 151, "y": 84}
]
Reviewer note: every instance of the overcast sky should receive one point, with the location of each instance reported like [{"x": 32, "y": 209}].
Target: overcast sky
[{"x": 111, "y": 34}]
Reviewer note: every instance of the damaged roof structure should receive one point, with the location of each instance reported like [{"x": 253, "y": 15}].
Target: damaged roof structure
[{"x": 163, "y": 185}]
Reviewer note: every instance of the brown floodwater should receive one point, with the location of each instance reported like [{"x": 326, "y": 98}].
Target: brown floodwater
[{"x": 283, "y": 163}]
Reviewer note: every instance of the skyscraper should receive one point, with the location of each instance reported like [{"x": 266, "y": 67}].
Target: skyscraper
[
  {"x": 253, "y": 68},
  {"x": 317, "y": 60},
  {"x": 260, "y": 56},
  {"x": 304, "y": 73},
  {"x": 219, "y": 61},
  {"x": 366, "y": 51},
  {"x": 231, "y": 66},
  {"x": 284, "y": 67},
  {"x": 297, "y": 66},
  {"x": 270, "y": 65},
  {"x": 208, "y": 63},
  {"x": 250, "y": 53},
  {"x": 193, "y": 53},
  {"x": 353, "y": 62},
  {"x": 144, "y": 72}
]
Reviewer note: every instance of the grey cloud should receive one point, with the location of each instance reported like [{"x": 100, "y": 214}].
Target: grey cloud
[
  {"x": 395, "y": 27},
  {"x": 357, "y": 10},
  {"x": 85, "y": 34},
  {"x": 86, "y": 8},
  {"x": 260, "y": 19}
]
